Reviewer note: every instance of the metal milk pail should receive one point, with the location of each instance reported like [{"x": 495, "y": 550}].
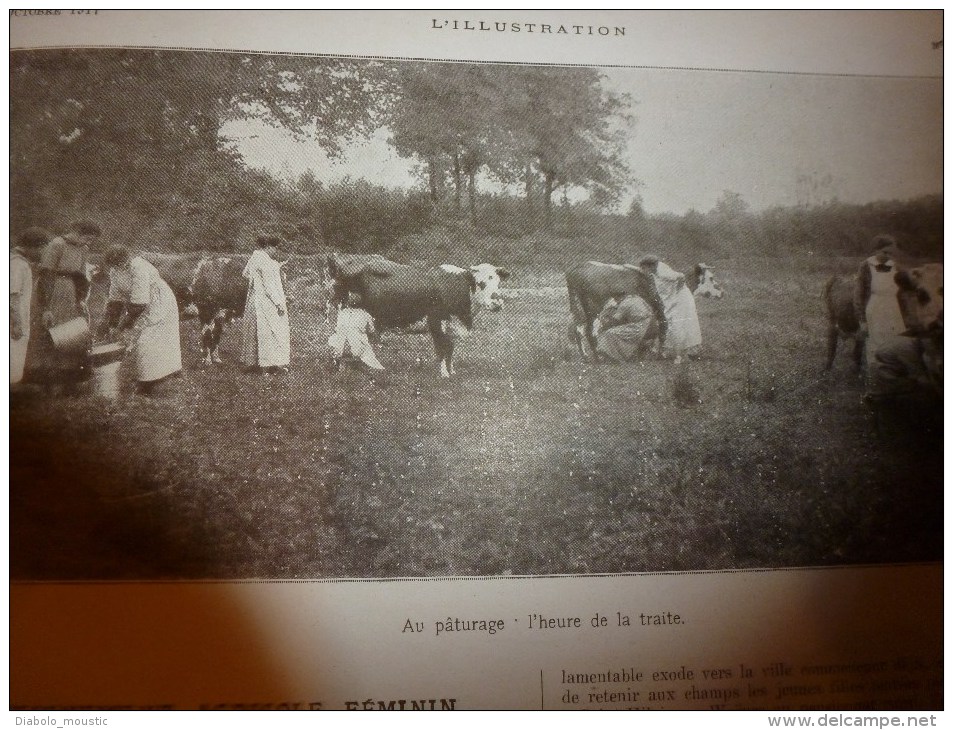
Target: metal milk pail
[
  {"x": 105, "y": 359},
  {"x": 71, "y": 337}
]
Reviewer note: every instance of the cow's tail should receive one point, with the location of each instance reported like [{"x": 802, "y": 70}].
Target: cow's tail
[
  {"x": 336, "y": 294},
  {"x": 576, "y": 308},
  {"x": 332, "y": 266}
]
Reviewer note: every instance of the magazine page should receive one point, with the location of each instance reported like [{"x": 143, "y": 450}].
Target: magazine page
[{"x": 456, "y": 360}]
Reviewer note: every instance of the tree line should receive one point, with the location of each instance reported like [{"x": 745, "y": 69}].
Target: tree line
[
  {"x": 139, "y": 131},
  {"x": 134, "y": 138}
]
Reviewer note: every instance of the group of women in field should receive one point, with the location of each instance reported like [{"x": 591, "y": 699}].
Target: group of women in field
[
  {"x": 50, "y": 338},
  {"x": 50, "y": 284}
]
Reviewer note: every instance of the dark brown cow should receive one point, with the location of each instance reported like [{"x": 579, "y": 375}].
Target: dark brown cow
[
  {"x": 594, "y": 283},
  {"x": 842, "y": 321},
  {"x": 210, "y": 287},
  {"x": 398, "y": 295}
]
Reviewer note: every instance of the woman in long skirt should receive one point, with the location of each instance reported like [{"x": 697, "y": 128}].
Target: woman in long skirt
[
  {"x": 684, "y": 336},
  {"x": 876, "y": 296},
  {"x": 22, "y": 258},
  {"x": 61, "y": 297},
  {"x": 627, "y": 329},
  {"x": 266, "y": 336},
  {"x": 141, "y": 301}
]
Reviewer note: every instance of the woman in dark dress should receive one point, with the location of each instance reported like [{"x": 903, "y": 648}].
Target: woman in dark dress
[{"x": 61, "y": 296}]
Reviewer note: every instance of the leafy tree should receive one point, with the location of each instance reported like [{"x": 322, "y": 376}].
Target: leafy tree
[
  {"x": 446, "y": 115},
  {"x": 105, "y": 129},
  {"x": 730, "y": 205},
  {"x": 556, "y": 126},
  {"x": 571, "y": 130}
]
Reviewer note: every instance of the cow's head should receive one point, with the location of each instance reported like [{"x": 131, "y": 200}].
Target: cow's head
[
  {"x": 705, "y": 284},
  {"x": 485, "y": 286},
  {"x": 920, "y": 295}
]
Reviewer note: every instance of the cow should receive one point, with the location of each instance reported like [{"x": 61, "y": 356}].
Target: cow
[
  {"x": 594, "y": 283},
  {"x": 179, "y": 271},
  {"x": 920, "y": 295},
  {"x": 842, "y": 320},
  {"x": 702, "y": 283},
  {"x": 398, "y": 295},
  {"x": 210, "y": 287},
  {"x": 905, "y": 378}
]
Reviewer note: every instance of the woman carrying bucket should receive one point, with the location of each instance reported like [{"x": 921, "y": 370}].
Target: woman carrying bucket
[
  {"x": 140, "y": 301},
  {"x": 62, "y": 288}
]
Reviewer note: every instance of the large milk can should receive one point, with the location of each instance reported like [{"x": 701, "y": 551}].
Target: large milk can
[{"x": 105, "y": 359}]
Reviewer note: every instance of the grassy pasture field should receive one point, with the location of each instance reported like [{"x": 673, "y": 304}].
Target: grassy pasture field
[{"x": 528, "y": 461}]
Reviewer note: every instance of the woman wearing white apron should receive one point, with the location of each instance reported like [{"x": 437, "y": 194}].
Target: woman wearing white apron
[
  {"x": 876, "y": 297},
  {"x": 684, "y": 336},
  {"x": 352, "y": 333},
  {"x": 23, "y": 256},
  {"x": 266, "y": 337},
  {"x": 140, "y": 301}
]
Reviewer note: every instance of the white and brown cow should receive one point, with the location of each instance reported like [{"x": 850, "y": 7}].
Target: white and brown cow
[
  {"x": 920, "y": 295},
  {"x": 702, "y": 282},
  {"x": 398, "y": 295}
]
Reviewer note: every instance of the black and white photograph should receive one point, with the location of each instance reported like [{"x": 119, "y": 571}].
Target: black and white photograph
[
  {"x": 455, "y": 360},
  {"x": 301, "y": 316}
]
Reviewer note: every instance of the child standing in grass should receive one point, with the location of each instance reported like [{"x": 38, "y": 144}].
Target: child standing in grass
[{"x": 354, "y": 328}]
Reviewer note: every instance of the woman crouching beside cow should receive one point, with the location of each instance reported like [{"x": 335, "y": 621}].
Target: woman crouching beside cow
[
  {"x": 352, "y": 335},
  {"x": 142, "y": 307},
  {"x": 627, "y": 328}
]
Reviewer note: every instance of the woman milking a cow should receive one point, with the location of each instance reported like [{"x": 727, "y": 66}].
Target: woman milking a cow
[
  {"x": 627, "y": 327},
  {"x": 142, "y": 309}
]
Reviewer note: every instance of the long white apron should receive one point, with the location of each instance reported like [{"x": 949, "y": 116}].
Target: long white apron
[
  {"x": 684, "y": 334},
  {"x": 154, "y": 346},
  {"x": 266, "y": 336},
  {"x": 884, "y": 319}
]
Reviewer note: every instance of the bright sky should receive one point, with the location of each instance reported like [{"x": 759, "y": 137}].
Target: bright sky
[{"x": 699, "y": 133}]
